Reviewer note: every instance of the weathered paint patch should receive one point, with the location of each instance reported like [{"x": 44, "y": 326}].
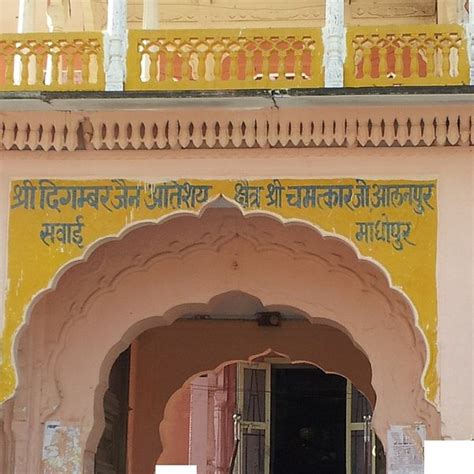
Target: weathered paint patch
[{"x": 61, "y": 449}]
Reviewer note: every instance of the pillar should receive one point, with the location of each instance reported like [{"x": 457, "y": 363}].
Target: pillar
[
  {"x": 115, "y": 45},
  {"x": 334, "y": 44},
  {"x": 469, "y": 26},
  {"x": 25, "y": 16},
  {"x": 220, "y": 400},
  {"x": 56, "y": 15},
  {"x": 199, "y": 423},
  {"x": 25, "y": 24},
  {"x": 451, "y": 11},
  {"x": 150, "y": 14}
]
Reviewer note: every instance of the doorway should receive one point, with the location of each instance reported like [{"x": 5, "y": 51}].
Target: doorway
[
  {"x": 194, "y": 421},
  {"x": 293, "y": 418},
  {"x": 308, "y": 423},
  {"x": 297, "y": 418},
  {"x": 111, "y": 455}
]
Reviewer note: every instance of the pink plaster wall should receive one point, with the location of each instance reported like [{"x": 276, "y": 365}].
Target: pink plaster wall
[
  {"x": 207, "y": 433},
  {"x": 452, "y": 166},
  {"x": 174, "y": 429}
]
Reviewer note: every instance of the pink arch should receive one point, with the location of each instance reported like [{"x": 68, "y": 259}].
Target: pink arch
[{"x": 152, "y": 270}]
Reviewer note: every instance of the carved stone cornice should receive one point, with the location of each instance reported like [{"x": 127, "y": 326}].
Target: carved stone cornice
[
  {"x": 221, "y": 13},
  {"x": 365, "y": 9},
  {"x": 219, "y": 128},
  {"x": 262, "y": 13}
]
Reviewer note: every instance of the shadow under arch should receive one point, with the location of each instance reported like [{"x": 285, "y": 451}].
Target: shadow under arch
[{"x": 156, "y": 267}]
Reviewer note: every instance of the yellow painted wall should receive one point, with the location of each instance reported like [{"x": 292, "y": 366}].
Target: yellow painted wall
[{"x": 54, "y": 222}]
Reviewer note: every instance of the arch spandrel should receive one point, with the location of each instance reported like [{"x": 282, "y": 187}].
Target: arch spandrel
[{"x": 61, "y": 260}]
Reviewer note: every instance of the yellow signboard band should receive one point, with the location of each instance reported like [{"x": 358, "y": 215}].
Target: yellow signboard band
[{"x": 53, "y": 223}]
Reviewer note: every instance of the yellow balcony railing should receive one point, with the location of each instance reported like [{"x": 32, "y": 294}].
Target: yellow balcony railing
[
  {"x": 51, "y": 61},
  {"x": 215, "y": 59},
  {"x": 406, "y": 55},
  {"x": 224, "y": 59}
]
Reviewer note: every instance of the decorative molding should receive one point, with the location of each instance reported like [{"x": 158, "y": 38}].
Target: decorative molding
[
  {"x": 309, "y": 127},
  {"x": 367, "y": 9},
  {"x": 223, "y": 14},
  {"x": 53, "y": 132}
]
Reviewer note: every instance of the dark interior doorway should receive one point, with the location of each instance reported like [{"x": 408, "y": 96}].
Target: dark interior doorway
[
  {"x": 308, "y": 430},
  {"x": 111, "y": 455}
]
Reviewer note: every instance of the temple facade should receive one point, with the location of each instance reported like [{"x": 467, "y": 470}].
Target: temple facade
[{"x": 235, "y": 235}]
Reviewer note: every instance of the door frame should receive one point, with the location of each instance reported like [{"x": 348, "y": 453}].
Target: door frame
[
  {"x": 266, "y": 425},
  {"x": 248, "y": 425}
]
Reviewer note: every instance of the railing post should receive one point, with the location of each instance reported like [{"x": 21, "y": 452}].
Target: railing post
[
  {"x": 115, "y": 42},
  {"x": 334, "y": 44},
  {"x": 469, "y": 26}
]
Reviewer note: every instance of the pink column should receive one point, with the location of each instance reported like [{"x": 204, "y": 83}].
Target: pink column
[
  {"x": 198, "y": 423},
  {"x": 220, "y": 400}
]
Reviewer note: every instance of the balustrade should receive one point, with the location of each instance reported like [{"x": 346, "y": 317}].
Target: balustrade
[
  {"x": 51, "y": 61},
  {"x": 224, "y": 59},
  {"x": 406, "y": 55},
  {"x": 171, "y": 60}
]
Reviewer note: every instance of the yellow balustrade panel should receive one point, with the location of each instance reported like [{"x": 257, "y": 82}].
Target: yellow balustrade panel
[
  {"x": 224, "y": 59},
  {"x": 52, "y": 62},
  {"x": 428, "y": 55}
]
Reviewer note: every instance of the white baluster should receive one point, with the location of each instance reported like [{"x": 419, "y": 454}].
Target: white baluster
[
  {"x": 334, "y": 44},
  {"x": 115, "y": 40}
]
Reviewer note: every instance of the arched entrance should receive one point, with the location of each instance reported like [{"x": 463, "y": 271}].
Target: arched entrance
[
  {"x": 163, "y": 380},
  {"x": 269, "y": 414},
  {"x": 159, "y": 360},
  {"x": 141, "y": 281}
]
